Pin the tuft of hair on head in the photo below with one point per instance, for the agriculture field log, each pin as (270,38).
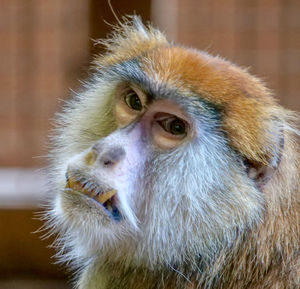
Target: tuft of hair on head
(127,40)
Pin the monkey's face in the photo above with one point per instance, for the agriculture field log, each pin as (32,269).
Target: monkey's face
(150,159)
(163,177)
(111,173)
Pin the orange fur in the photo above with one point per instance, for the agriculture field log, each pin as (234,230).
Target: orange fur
(246,103)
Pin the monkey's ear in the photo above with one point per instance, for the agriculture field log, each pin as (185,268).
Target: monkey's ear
(261,173)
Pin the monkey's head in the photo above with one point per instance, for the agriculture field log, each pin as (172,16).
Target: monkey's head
(164,155)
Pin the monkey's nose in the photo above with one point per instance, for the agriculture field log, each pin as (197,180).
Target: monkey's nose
(112,156)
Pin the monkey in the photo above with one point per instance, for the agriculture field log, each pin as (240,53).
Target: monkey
(173,168)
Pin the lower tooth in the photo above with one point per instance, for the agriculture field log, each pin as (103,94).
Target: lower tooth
(109,208)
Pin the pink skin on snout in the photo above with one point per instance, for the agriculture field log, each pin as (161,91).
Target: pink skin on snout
(120,159)
(133,154)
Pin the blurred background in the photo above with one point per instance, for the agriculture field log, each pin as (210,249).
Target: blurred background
(45,48)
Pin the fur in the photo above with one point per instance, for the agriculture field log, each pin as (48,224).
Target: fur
(199,220)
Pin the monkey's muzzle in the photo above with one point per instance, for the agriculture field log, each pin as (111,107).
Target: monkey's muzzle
(95,192)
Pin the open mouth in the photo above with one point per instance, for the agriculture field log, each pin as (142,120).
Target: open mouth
(105,197)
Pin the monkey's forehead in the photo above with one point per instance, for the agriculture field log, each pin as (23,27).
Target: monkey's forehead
(213,78)
(246,105)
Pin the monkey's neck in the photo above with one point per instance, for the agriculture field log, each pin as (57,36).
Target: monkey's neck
(116,276)
(247,264)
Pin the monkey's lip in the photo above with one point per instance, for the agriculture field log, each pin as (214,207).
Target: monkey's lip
(92,190)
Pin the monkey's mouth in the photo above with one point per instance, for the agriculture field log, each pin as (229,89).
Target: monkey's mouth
(105,197)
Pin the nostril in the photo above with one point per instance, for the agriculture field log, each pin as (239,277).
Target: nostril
(107,162)
(113,156)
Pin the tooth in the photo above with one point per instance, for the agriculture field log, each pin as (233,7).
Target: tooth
(73,184)
(105,196)
(109,208)
(77,186)
(97,192)
(94,188)
(90,189)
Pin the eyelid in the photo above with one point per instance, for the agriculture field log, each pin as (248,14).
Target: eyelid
(160,125)
(164,140)
(166,126)
(167,116)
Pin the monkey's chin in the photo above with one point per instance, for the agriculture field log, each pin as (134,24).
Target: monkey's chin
(105,198)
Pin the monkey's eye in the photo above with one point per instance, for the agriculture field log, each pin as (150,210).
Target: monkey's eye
(169,130)
(173,125)
(133,101)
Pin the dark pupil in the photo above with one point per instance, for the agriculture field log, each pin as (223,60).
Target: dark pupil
(135,102)
(177,127)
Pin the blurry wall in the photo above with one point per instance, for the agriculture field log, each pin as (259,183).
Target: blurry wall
(43,44)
